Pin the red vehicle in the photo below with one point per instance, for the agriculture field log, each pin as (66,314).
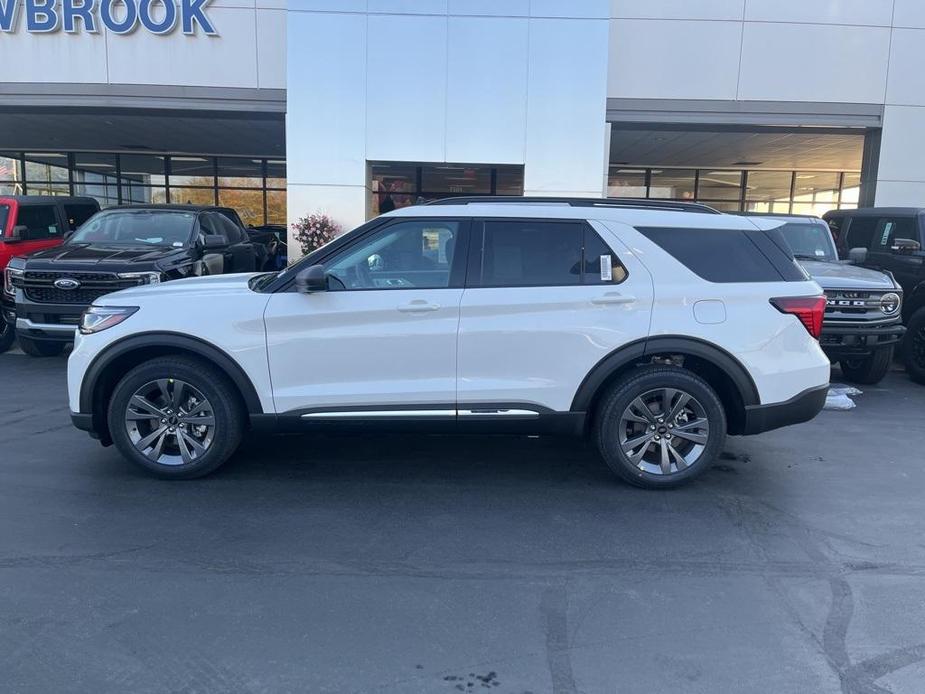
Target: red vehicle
(30,223)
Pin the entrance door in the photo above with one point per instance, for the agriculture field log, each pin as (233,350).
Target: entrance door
(383,336)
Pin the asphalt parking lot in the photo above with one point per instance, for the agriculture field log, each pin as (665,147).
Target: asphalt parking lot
(386,564)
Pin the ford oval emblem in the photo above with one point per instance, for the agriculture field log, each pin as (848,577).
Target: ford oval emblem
(67,283)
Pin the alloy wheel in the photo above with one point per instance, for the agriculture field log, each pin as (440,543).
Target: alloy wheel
(664,431)
(170,422)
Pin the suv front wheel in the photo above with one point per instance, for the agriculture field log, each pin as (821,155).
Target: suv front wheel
(660,427)
(7,335)
(913,347)
(177,417)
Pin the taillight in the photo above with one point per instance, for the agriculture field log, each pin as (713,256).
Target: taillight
(809,309)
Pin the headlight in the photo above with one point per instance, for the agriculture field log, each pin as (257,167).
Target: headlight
(145,277)
(890,303)
(9,276)
(98,318)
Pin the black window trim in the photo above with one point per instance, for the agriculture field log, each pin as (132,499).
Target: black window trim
(475,264)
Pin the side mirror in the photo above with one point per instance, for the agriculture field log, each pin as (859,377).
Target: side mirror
(311,279)
(858,256)
(906,246)
(213,241)
(17,233)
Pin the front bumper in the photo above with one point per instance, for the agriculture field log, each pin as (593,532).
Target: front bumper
(53,322)
(800,408)
(840,340)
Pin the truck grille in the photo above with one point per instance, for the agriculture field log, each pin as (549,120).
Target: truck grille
(40,286)
(856,305)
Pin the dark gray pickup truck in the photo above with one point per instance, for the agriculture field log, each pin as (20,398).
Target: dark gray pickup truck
(863,316)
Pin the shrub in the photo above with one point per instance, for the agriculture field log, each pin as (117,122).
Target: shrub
(314,230)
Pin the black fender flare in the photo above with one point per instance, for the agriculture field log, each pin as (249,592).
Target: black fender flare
(169,340)
(914,302)
(665,344)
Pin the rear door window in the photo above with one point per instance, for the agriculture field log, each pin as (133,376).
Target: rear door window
(860,233)
(531,253)
(718,255)
(4,217)
(40,222)
(77,213)
(890,229)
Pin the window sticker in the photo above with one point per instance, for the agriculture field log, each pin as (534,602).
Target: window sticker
(887,230)
(606,269)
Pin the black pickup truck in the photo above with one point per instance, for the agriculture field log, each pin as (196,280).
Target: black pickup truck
(46,292)
(891,239)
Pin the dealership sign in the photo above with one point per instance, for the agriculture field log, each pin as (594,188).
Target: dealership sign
(116,16)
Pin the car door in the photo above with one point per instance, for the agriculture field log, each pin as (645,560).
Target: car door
(241,254)
(890,249)
(545,301)
(215,261)
(382,338)
(40,226)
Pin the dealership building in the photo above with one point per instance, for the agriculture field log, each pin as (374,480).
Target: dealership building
(352,107)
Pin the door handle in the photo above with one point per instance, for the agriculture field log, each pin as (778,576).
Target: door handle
(418,306)
(612,298)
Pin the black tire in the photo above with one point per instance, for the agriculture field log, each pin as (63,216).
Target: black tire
(610,428)
(40,348)
(7,336)
(227,412)
(868,370)
(913,347)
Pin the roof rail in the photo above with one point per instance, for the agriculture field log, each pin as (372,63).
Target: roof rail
(627,203)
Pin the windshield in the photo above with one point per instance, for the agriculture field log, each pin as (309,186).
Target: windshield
(4,214)
(138,227)
(809,240)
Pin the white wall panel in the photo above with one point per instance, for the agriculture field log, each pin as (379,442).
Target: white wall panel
(906,83)
(326,118)
(900,194)
(271,49)
(408,6)
(678,9)
(566,105)
(858,12)
(327,5)
(814,62)
(902,147)
(498,8)
(57,57)
(406,88)
(487,90)
(587,9)
(909,13)
(228,60)
(673,59)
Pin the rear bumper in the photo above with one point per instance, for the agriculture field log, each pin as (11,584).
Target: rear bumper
(858,340)
(800,408)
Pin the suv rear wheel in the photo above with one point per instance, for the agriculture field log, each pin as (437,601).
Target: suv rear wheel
(913,347)
(660,427)
(40,348)
(868,370)
(177,417)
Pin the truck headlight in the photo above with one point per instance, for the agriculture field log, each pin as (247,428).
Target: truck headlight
(890,303)
(143,277)
(98,318)
(10,275)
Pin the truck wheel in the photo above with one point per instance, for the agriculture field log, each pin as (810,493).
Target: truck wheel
(868,370)
(660,427)
(913,347)
(7,335)
(40,348)
(177,417)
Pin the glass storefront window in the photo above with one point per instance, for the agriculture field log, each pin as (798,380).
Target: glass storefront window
(720,185)
(769,187)
(247,203)
(276,174)
(192,171)
(143,169)
(626,183)
(276,207)
(136,194)
(95,177)
(48,167)
(240,173)
(462,180)
(816,187)
(509,181)
(674,184)
(192,196)
(10,169)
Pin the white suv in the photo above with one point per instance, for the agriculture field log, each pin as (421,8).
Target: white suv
(654,327)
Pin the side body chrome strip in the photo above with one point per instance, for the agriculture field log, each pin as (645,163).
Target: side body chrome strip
(423,414)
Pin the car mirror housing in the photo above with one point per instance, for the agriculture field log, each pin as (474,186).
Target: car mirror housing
(214,241)
(906,246)
(858,255)
(312,279)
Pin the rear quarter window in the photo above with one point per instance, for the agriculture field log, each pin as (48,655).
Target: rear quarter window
(725,255)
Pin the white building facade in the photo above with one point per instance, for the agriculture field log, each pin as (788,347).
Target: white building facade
(351,107)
